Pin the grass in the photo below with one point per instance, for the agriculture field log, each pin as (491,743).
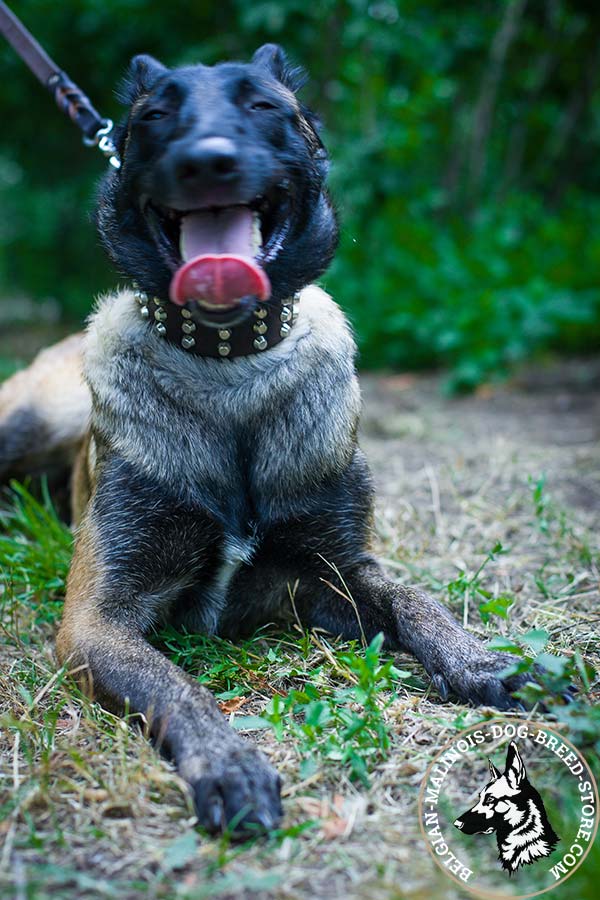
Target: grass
(88,809)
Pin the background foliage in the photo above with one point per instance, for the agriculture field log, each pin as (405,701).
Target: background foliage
(465,138)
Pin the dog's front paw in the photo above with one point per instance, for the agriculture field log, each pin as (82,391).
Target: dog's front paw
(477,679)
(237,790)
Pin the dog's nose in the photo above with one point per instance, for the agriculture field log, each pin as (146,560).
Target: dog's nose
(208,160)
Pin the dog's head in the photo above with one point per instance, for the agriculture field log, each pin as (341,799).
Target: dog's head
(220,199)
(500,801)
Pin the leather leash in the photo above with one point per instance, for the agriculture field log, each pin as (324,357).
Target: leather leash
(69,98)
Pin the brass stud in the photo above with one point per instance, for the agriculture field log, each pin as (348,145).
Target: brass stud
(260,327)
(186,314)
(157,300)
(285,329)
(286,314)
(261,312)
(160,315)
(224,349)
(145,312)
(260,343)
(141,297)
(188,342)
(188,327)
(224,333)
(161,329)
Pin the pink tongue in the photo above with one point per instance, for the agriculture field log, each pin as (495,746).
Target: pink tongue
(219,268)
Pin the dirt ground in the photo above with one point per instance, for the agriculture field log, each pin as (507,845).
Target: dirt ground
(454,477)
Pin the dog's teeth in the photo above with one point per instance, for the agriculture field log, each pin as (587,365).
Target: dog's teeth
(218,306)
(256,234)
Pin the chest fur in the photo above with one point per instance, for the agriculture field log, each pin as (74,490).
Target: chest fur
(251,444)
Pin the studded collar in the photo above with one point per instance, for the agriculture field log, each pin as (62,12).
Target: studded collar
(267,326)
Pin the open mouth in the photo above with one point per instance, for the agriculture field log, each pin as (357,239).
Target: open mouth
(218,254)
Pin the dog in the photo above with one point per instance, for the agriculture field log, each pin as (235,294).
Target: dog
(510,806)
(217,476)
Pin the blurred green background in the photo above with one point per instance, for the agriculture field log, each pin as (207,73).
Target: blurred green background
(465,140)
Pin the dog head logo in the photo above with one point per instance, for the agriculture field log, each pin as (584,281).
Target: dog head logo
(511,807)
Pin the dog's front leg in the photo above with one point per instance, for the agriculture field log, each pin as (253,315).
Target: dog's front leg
(232,782)
(413,621)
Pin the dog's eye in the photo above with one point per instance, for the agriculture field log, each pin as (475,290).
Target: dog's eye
(153,114)
(262,104)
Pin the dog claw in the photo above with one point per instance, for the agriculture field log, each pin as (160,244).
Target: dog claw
(265,819)
(239,794)
(214,816)
(441,686)
(476,679)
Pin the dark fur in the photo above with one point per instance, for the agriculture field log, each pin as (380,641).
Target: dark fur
(201,465)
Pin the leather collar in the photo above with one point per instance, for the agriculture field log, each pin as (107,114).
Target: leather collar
(267,326)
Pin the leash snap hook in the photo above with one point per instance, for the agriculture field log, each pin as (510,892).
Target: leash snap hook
(104,143)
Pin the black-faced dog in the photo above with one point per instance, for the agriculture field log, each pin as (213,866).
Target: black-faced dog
(510,807)
(220,477)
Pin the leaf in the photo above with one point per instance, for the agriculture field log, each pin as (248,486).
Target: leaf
(334,826)
(181,852)
(554,665)
(250,723)
(496,606)
(537,639)
(233,704)
(506,645)
(308,767)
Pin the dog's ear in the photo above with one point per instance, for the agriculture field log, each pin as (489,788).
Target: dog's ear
(515,767)
(494,772)
(142,74)
(272,58)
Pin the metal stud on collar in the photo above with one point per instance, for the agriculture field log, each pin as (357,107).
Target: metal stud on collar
(288,313)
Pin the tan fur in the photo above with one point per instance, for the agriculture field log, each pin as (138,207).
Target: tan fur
(51,388)
(83,479)
(81,620)
(308,132)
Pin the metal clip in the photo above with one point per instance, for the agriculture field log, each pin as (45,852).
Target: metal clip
(105,144)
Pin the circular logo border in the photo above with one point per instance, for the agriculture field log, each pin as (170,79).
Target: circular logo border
(482,892)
